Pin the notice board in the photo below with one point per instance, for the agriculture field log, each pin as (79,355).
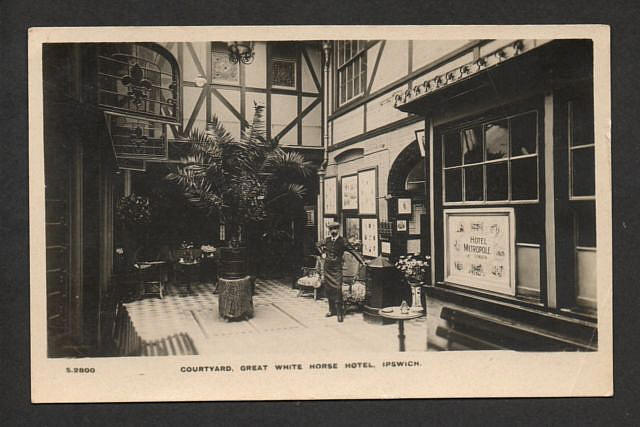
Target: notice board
(479,248)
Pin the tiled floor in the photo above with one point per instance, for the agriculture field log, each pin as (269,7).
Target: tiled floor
(282,323)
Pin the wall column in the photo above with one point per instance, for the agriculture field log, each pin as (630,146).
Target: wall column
(326,56)
(549,203)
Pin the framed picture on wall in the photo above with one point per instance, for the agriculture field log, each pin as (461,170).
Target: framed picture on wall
(331,196)
(349,189)
(413,246)
(370,237)
(352,228)
(401,225)
(367,192)
(404,206)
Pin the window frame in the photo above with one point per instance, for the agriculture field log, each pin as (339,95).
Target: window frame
(573,148)
(293,61)
(508,160)
(175,75)
(339,67)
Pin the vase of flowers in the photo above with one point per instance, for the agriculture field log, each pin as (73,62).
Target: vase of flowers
(414,269)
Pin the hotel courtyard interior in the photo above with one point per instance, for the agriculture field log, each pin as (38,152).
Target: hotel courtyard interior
(191,188)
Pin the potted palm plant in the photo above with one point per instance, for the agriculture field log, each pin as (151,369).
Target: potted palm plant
(246,182)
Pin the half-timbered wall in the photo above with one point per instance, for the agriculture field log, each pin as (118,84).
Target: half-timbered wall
(284,77)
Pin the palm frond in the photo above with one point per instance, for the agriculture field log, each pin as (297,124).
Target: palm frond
(288,161)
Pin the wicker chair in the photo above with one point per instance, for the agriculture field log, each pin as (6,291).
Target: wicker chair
(311,278)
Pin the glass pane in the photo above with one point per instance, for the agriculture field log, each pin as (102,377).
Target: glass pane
(472,145)
(453,185)
(524,134)
(347,51)
(585,220)
(342,86)
(496,137)
(416,179)
(524,179)
(340,53)
(584,183)
(582,122)
(473,183)
(497,181)
(452,149)
(349,87)
(356,85)
(354,47)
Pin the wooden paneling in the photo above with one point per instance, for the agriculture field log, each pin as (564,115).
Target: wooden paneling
(586,283)
(527,269)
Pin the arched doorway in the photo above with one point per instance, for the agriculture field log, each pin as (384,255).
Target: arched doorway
(408,203)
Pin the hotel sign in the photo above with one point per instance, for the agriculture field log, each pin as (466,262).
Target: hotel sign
(479,248)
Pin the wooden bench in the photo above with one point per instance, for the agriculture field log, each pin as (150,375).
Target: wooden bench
(471,330)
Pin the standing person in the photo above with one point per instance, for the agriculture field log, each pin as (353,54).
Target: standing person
(334,247)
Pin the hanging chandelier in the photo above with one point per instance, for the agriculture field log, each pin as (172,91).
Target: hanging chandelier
(241,51)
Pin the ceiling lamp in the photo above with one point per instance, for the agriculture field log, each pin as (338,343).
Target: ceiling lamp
(241,51)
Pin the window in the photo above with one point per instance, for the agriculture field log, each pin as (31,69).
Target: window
(351,67)
(416,179)
(138,78)
(492,162)
(582,198)
(581,150)
(283,65)
(283,72)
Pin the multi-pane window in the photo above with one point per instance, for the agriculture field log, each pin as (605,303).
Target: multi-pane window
(138,78)
(582,198)
(492,162)
(582,183)
(351,67)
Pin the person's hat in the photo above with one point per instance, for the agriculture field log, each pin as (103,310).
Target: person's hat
(333,224)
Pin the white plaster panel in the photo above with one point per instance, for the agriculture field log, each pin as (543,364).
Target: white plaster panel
(428,51)
(348,125)
(308,84)
(191,95)
(255,74)
(394,63)
(381,111)
(189,69)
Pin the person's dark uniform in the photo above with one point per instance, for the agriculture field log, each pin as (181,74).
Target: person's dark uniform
(334,247)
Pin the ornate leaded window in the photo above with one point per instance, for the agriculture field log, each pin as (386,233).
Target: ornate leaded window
(139,89)
(351,69)
(139,78)
(283,65)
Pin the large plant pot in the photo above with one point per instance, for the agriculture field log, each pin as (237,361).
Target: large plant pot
(233,262)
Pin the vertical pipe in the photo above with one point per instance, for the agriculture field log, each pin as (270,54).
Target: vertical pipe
(326,55)
(432,210)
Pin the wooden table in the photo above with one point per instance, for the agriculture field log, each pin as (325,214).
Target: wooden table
(395,314)
(190,270)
